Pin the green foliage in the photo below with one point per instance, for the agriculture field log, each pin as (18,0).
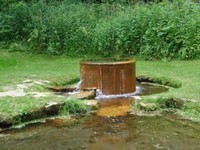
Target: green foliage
(151,31)
(16,22)
(73,107)
(191,110)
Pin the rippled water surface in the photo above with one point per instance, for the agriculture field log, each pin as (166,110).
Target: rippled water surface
(104,133)
(110,128)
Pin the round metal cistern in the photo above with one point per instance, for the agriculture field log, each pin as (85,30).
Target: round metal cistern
(110,76)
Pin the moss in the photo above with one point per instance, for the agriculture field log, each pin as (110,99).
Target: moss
(26,108)
(73,107)
(161,80)
(191,111)
(187,109)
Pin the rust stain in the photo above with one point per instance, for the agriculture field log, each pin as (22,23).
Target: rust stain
(114,107)
(116,77)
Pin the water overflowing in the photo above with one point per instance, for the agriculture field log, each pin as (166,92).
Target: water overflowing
(100,95)
(77,85)
(142,88)
(111,127)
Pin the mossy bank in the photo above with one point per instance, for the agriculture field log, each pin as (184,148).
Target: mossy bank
(181,76)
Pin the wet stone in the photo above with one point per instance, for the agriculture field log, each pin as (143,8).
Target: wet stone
(147,107)
(91,102)
(52,108)
(62,89)
(83,95)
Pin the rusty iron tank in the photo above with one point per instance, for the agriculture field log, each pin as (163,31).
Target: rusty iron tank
(111,76)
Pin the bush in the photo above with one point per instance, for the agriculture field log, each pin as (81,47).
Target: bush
(16,23)
(151,31)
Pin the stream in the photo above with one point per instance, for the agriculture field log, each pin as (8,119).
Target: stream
(111,127)
(94,132)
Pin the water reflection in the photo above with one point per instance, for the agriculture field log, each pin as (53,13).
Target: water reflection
(142,89)
(149,89)
(105,133)
(112,127)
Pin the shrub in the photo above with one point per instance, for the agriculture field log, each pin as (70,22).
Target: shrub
(152,31)
(16,23)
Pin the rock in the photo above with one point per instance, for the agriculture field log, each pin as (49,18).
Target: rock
(6,122)
(188,100)
(44,81)
(91,102)
(39,82)
(49,104)
(147,106)
(137,98)
(28,81)
(142,105)
(39,94)
(13,93)
(62,89)
(90,89)
(52,108)
(84,95)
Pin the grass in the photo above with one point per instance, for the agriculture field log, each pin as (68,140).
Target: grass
(17,67)
(20,109)
(185,72)
(12,107)
(191,111)
(73,107)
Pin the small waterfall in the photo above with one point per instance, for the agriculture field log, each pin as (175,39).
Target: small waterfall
(100,95)
(78,85)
